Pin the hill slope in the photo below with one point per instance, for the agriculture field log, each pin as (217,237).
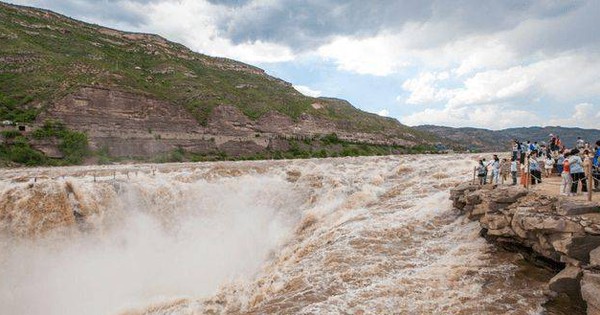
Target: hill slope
(477,139)
(139,95)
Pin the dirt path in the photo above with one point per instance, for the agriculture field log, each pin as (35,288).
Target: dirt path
(551,186)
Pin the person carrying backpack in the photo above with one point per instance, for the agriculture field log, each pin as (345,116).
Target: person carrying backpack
(482,172)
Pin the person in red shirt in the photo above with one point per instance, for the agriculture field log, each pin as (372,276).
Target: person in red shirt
(565,185)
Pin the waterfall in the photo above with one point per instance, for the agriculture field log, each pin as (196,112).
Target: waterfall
(365,235)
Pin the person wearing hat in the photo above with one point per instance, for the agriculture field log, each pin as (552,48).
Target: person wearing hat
(552,143)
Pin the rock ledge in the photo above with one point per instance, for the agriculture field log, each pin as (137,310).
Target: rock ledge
(552,231)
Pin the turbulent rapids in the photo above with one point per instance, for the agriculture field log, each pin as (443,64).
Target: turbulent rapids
(370,235)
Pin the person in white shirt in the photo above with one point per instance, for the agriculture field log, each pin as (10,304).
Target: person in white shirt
(580,143)
(495,164)
(548,165)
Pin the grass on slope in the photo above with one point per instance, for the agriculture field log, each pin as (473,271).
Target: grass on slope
(47,56)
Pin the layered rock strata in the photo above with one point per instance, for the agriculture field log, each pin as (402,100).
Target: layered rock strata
(550,230)
(135,125)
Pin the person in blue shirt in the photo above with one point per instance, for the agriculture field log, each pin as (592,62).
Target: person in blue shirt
(597,155)
(577,172)
(534,169)
(596,164)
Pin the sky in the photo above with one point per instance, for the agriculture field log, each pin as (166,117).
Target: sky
(466,63)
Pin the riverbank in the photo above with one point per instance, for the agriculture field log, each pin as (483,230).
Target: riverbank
(562,233)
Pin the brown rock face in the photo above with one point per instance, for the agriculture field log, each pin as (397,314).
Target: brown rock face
(595,257)
(126,124)
(590,290)
(136,125)
(567,281)
(228,120)
(129,124)
(275,122)
(104,111)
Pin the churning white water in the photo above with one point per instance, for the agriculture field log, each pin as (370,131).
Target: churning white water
(369,235)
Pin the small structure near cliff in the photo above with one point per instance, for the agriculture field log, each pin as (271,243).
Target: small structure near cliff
(550,230)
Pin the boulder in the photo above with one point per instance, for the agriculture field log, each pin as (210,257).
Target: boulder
(494,221)
(498,206)
(548,253)
(478,211)
(508,195)
(504,232)
(460,190)
(473,198)
(560,241)
(550,224)
(517,225)
(595,257)
(581,246)
(567,281)
(576,207)
(590,291)
(592,229)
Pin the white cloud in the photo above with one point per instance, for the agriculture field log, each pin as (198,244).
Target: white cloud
(492,86)
(364,56)
(565,78)
(386,54)
(490,116)
(423,89)
(499,116)
(480,52)
(384,113)
(585,115)
(307,91)
(193,23)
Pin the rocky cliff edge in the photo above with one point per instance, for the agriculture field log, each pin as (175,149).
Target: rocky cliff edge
(553,231)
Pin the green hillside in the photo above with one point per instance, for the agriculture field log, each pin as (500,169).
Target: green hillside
(45,56)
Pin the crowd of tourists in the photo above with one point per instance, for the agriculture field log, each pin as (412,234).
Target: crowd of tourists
(532,161)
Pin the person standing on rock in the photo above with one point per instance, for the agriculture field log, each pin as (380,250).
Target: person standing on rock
(559,163)
(504,170)
(553,146)
(577,172)
(596,165)
(597,154)
(522,151)
(565,185)
(534,169)
(587,163)
(513,170)
(548,165)
(482,172)
(495,164)
(523,174)
(515,149)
